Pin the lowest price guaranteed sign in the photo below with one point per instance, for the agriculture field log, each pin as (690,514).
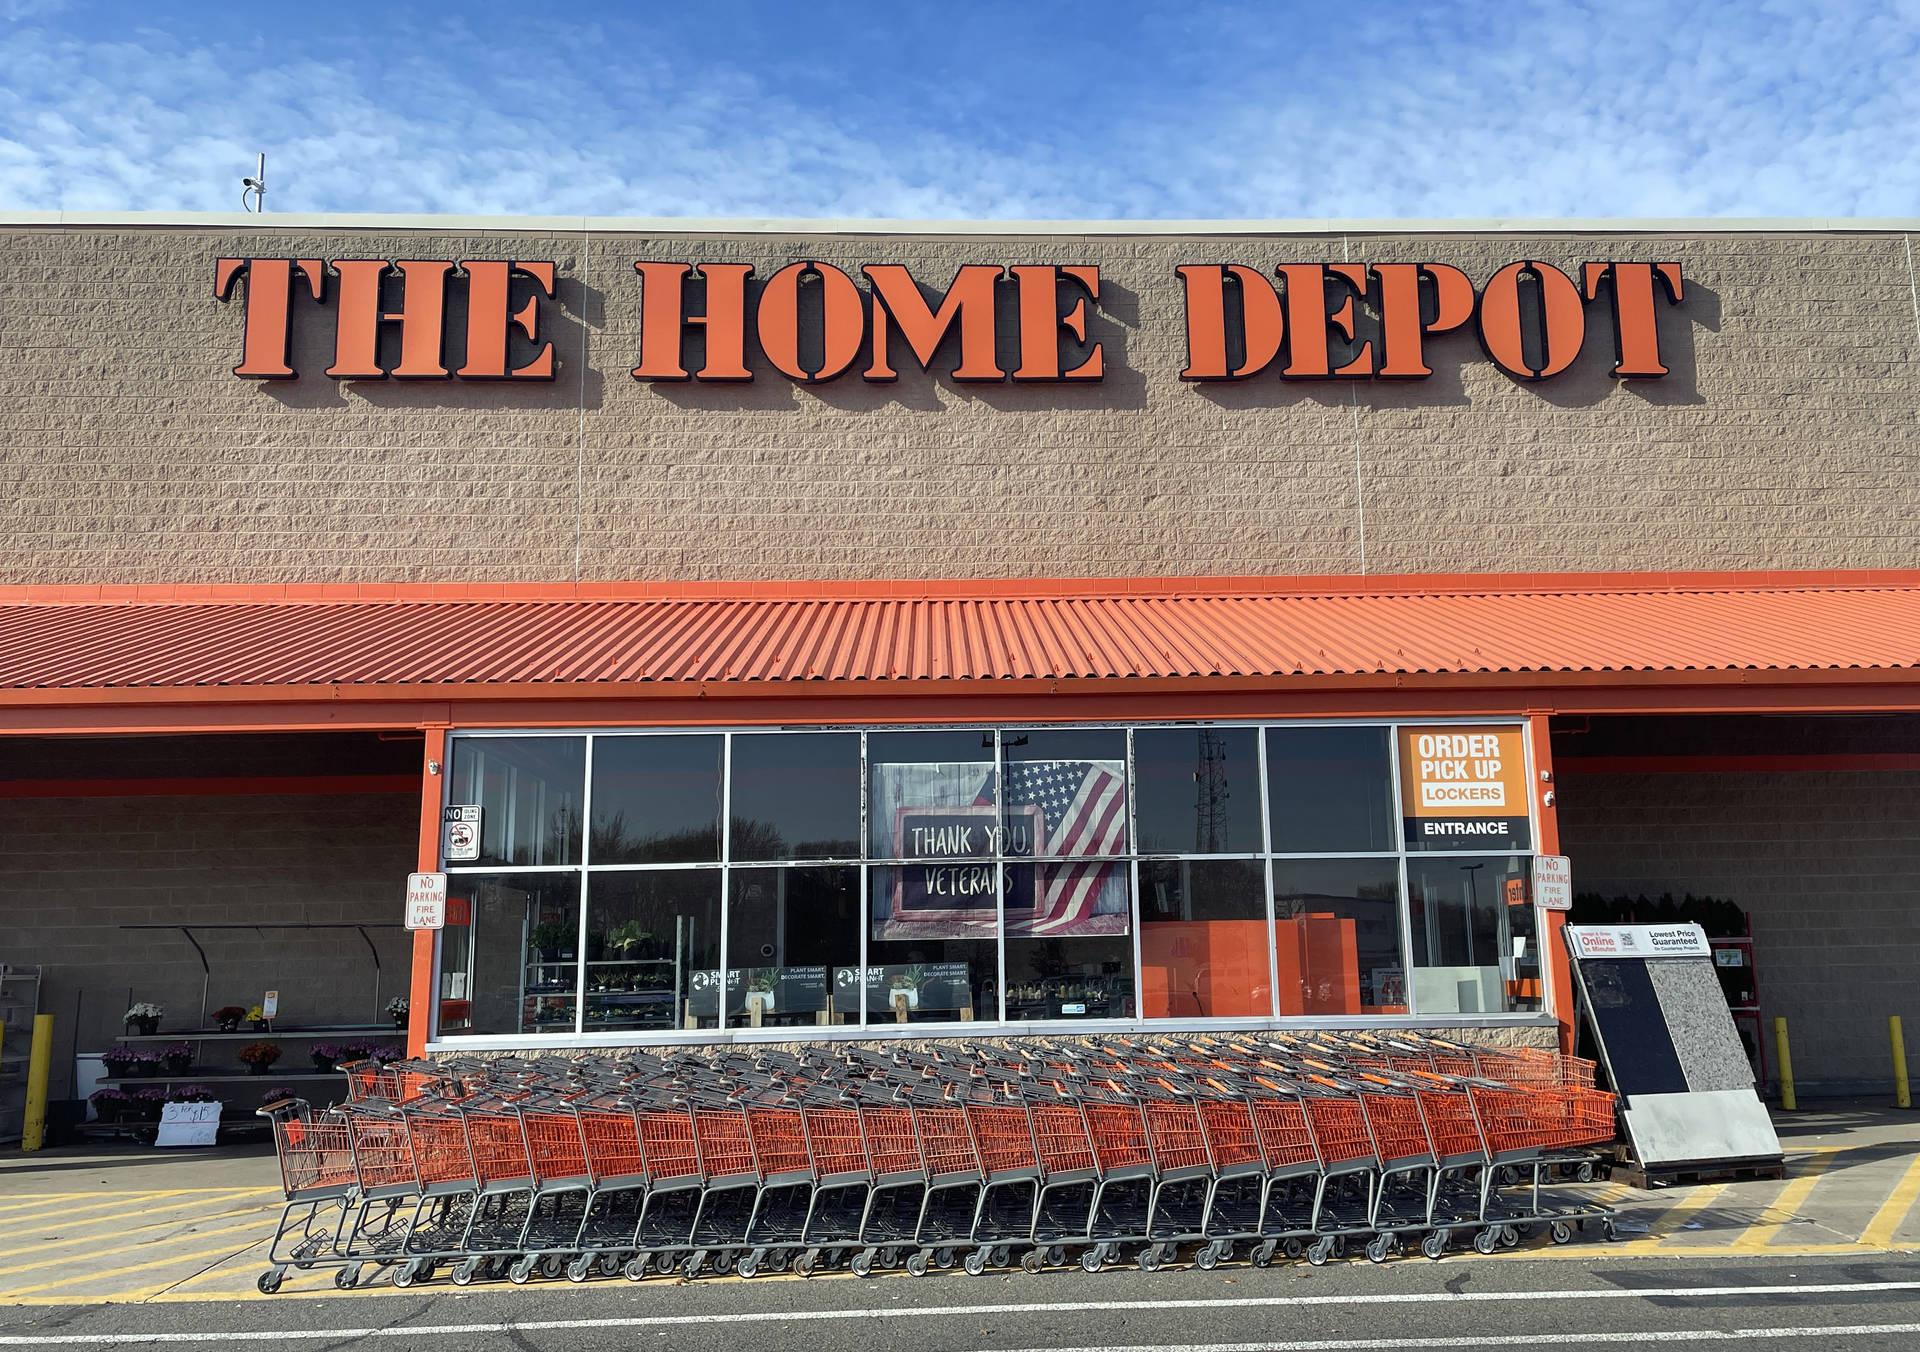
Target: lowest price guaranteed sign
(1464,788)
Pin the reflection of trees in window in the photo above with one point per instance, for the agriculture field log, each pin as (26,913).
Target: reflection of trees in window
(756,840)
(614,842)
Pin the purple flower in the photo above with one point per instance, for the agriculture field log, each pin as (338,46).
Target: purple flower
(329,1051)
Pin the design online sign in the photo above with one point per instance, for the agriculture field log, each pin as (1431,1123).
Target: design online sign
(1639,941)
(812,321)
(1464,788)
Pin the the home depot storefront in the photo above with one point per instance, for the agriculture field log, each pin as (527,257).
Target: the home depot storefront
(801,631)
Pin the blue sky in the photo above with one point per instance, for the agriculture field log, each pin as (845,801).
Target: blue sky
(1036,110)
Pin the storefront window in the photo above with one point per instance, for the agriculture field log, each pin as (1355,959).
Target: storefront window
(1197,790)
(933,955)
(796,796)
(1330,789)
(1203,939)
(1336,936)
(1474,946)
(653,944)
(793,947)
(932,795)
(528,790)
(515,966)
(656,800)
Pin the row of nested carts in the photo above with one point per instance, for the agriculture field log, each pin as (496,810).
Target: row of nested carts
(976,1154)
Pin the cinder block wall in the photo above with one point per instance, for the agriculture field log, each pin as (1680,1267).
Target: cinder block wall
(1826,864)
(79,868)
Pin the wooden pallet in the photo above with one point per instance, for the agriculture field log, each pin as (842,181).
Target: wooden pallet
(1686,1175)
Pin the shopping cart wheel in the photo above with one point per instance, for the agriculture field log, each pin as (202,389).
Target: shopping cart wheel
(520,1272)
(1092,1257)
(1262,1255)
(1584,1174)
(694,1261)
(749,1266)
(1293,1248)
(723,1262)
(1319,1252)
(945,1258)
(804,1263)
(1378,1248)
(610,1264)
(1509,1175)
(635,1270)
(1509,1236)
(974,1263)
(269,1281)
(552,1266)
(1207,1257)
(1561,1232)
(404,1274)
(580,1269)
(917,1264)
(1487,1240)
(863,1264)
(463,1271)
(1608,1231)
(347,1276)
(1034,1261)
(780,1259)
(1434,1245)
(1150,1259)
(1056,1255)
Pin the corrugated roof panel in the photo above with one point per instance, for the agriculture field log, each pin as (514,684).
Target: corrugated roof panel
(1003,635)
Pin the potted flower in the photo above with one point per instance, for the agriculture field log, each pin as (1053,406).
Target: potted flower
(397,1011)
(228,1018)
(192,1093)
(119,1062)
(147,1063)
(109,1104)
(177,1057)
(257,1017)
(260,1056)
(147,1104)
(760,992)
(280,1094)
(326,1055)
(388,1052)
(358,1050)
(552,941)
(143,1019)
(907,983)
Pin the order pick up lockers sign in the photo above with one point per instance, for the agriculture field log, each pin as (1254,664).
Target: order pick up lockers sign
(1464,788)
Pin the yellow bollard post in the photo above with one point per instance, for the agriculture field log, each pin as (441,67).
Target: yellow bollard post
(1785,1058)
(33,1132)
(1901,1097)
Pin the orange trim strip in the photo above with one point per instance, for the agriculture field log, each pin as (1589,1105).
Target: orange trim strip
(421,990)
(1733,765)
(1472,584)
(210,787)
(1555,966)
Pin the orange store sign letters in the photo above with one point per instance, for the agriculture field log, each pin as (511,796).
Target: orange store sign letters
(812,321)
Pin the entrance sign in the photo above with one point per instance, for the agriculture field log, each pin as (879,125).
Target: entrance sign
(460,834)
(426,901)
(1553,882)
(1464,788)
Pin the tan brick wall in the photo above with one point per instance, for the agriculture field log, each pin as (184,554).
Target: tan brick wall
(1785,438)
(80,868)
(1823,864)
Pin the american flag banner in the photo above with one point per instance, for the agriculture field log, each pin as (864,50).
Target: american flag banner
(1082,812)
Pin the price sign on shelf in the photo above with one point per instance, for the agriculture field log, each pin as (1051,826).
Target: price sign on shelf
(426,901)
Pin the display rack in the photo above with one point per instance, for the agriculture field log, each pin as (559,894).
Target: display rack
(19,1002)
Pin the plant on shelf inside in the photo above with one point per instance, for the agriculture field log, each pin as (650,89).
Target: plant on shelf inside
(278,1094)
(552,941)
(148,1104)
(360,1049)
(143,1018)
(260,1056)
(192,1093)
(257,1016)
(326,1055)
(110,1105)
(228,1017)
(119,1061)
(389,1051)
(148,1062)
(178,1057)
(397,1011)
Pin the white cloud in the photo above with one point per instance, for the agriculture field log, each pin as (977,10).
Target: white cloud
(1565,109)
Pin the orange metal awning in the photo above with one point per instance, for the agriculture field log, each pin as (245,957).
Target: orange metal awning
(416,637)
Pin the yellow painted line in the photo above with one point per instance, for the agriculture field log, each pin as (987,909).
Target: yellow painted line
(217,1197)
(261,1211)
(1669,1222)
(67,1260)
(1879,1231)
(39,1197)
(227,1250)
(1783,1208)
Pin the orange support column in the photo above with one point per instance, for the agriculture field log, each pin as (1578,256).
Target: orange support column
(424,990)
(1553,945)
